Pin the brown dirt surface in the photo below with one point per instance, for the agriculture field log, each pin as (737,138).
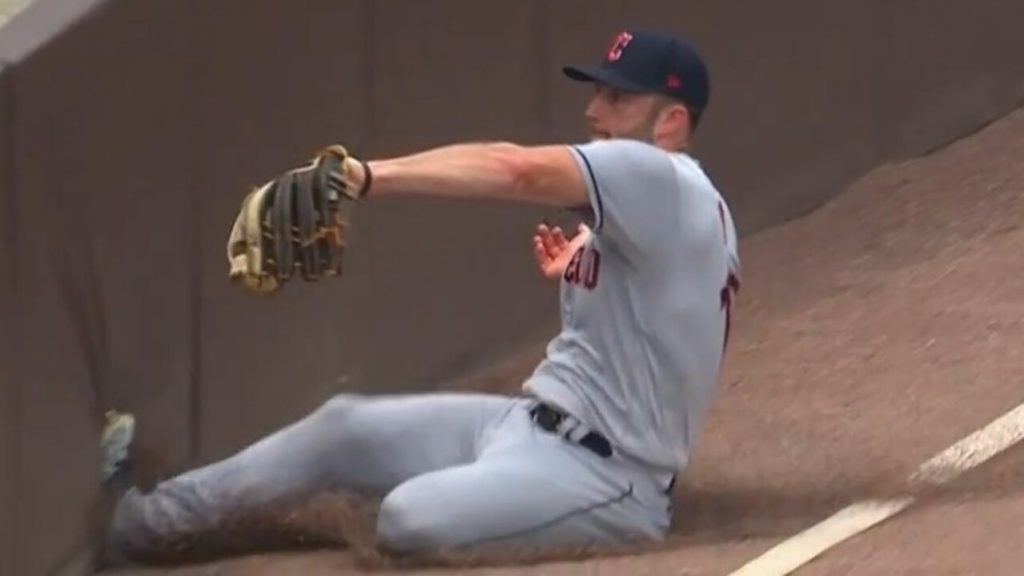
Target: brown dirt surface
(871,335)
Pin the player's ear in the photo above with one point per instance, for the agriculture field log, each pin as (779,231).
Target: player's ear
(679,115)
(673,119)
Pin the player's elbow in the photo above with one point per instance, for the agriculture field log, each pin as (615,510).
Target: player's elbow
(528,173)
(510,161)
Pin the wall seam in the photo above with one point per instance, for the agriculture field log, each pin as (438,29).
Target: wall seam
(12,412)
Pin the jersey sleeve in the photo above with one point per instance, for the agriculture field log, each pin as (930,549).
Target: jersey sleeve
(633,190)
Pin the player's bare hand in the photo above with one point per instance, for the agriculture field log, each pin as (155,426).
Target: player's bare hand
(553,250)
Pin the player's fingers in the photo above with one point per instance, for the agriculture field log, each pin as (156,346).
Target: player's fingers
(559,240)
(549,243)
(543,232)
(539,251)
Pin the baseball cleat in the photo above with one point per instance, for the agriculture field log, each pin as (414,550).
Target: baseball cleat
(116,442)
(117,478)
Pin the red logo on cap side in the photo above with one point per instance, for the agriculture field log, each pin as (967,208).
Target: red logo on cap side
(673,82)
(618,45)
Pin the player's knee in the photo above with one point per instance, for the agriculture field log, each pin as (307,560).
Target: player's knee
(338,406)
(339,420)
(337,413)
(405,524)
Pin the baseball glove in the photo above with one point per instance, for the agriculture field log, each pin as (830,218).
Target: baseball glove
(295,223)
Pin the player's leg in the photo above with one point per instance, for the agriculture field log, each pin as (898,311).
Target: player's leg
(360,443)
(531,489)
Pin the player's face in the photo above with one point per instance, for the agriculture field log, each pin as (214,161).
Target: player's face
(614,113)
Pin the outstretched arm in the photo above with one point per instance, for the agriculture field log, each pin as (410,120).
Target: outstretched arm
(546,175)
(295,223)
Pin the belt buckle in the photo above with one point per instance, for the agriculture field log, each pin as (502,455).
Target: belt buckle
(547,417)
(550,419)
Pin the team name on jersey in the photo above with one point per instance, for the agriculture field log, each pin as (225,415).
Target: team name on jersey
(584,268)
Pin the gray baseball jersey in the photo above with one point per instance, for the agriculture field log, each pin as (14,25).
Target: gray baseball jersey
(645,303)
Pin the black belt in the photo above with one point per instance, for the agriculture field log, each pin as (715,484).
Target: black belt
(553,420)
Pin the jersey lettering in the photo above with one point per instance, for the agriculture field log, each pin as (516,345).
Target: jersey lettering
(584,268)
(732,283)
(728,296)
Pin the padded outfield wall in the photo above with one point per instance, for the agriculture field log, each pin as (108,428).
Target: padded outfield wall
(131,128)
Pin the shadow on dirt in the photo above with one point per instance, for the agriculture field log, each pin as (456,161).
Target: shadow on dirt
(709,514)
(730,513)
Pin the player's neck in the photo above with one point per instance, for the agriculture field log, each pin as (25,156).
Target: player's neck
(680,145)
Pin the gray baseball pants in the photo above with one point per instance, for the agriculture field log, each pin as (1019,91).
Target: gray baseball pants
(454,471)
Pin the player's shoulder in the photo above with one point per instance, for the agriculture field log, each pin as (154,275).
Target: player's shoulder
(628,160)
(643,156)
(691,172)
(623,147)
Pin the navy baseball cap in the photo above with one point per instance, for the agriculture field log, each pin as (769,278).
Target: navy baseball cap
(651,62)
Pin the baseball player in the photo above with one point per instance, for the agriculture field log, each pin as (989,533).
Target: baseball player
(587,454)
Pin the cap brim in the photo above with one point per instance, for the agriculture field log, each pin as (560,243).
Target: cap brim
(603,76)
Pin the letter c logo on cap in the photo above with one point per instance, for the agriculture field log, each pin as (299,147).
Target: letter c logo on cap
(618,45)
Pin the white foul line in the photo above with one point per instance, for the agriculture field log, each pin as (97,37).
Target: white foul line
(980,446)
(1002,433)
(804,547)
